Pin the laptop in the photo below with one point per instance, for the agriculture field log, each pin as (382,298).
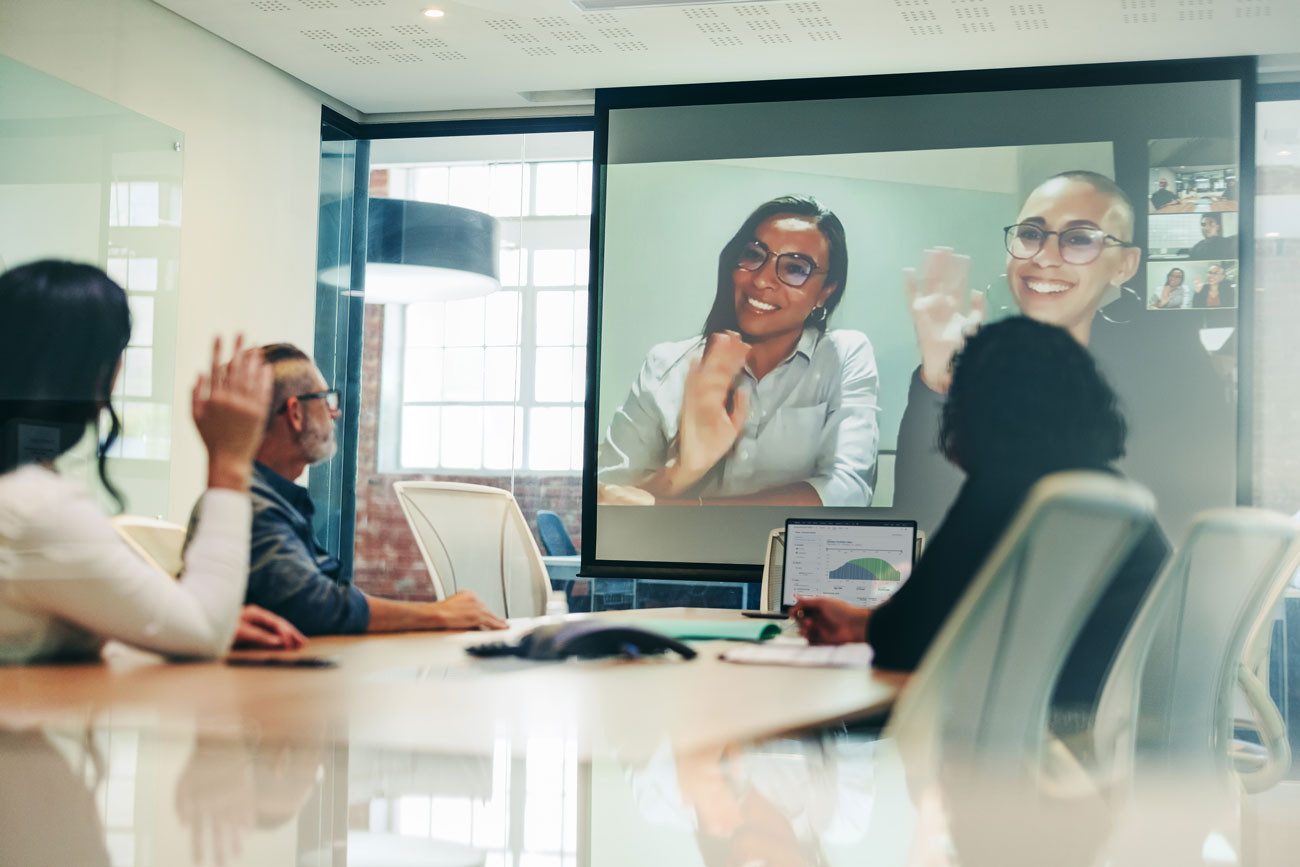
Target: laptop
(861,562)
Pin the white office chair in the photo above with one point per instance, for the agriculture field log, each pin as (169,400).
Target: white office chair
(473,537)
(972,723)
(1167,704)
(158,542)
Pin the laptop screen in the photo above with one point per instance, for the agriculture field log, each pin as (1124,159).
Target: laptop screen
(862,562)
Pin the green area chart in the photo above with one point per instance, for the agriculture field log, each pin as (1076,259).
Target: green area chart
(866,569)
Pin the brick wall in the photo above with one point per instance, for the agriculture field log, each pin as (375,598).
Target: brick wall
(386,560)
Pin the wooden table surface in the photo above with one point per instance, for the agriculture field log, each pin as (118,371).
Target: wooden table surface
(421,691)
(1192,207)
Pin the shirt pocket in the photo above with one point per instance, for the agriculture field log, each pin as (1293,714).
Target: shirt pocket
(790,444)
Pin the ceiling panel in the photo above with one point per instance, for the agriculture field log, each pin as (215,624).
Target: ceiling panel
(384,56)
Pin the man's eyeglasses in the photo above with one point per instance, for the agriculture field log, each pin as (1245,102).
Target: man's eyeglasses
(792,269)
(1079,246)
(330,397)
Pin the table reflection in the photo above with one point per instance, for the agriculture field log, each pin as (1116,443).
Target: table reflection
(123,793)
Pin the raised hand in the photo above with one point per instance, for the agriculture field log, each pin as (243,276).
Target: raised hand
(713,409)
(944,310)
(230,404)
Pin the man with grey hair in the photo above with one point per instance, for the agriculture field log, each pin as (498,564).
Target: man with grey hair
(290,574)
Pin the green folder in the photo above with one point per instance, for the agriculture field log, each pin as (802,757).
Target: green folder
(706,630)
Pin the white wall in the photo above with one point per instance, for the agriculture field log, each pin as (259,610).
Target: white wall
(252,136)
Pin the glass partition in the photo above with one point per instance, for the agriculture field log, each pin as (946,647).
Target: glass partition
(84,179)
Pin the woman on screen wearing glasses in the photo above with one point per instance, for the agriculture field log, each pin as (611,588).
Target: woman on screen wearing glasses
(765,407)
(1069,252)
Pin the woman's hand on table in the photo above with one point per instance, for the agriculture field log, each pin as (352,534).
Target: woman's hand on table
(944,311)
(823,620)
(260,628)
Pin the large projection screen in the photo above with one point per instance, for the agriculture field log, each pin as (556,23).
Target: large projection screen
(906,163)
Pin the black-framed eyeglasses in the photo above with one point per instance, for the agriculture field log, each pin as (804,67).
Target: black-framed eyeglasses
(330,397)
(792,269)
(1079,245)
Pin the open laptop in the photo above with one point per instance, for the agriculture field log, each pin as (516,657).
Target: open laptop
(862,562)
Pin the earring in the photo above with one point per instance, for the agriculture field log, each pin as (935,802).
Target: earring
(818,315)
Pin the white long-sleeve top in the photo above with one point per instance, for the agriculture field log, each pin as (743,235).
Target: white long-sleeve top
(68,581)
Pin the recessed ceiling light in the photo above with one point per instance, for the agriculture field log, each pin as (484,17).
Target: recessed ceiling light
(1272,234)
(433,13)
(1284,153)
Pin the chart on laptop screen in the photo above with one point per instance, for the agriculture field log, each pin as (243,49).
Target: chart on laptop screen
(862,562)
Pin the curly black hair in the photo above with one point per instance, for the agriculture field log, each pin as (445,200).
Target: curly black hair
(1026,395)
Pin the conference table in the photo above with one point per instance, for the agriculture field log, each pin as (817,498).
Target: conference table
(1197,206)
(411,752)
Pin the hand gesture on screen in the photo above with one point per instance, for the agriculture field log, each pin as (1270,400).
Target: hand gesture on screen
(823,620)
(713,409)
(944,311)
(230,404)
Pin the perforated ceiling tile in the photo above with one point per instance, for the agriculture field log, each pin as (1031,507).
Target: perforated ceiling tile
(386,45)
(318,34)
(569,35)
(727,41)
(1195,10)
(551,21)
(410,29)
(270,5)
(448,55)
(370,3)
(601,19)
(520,38)
(1031,16)
(429,42)
(804,8)
(319,4)
(974,17)
(630,47)
(756,11)
(713,26)
(1138,11)
(364,32)
(700,14)
(616,33)
(824,36)
(362,60)
(813,22)
(539,51)
(1254,9)
(503,24)
(407,58)
(763,25)
(584,48)
(341,47)
(774,38)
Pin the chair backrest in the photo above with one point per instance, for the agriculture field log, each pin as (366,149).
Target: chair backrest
(982,692)
(473,537)
(159,542)
(1167,703)
(555,538)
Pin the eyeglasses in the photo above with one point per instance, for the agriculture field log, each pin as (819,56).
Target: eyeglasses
(1079,246)
(792,269)
(330,397)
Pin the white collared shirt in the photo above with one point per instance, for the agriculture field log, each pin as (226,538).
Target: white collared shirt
(811,419)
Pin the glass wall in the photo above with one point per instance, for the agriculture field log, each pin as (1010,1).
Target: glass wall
(84,179)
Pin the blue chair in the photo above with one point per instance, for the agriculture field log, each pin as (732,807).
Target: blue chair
(555,539)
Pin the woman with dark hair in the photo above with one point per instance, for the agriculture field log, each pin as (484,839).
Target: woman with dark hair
(69,582)
(765,407)
(1175,294)
(1026,400)
(1216,291)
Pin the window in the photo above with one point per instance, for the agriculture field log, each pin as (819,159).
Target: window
(495,384)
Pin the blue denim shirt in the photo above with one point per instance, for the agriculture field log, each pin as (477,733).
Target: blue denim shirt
(290,574)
